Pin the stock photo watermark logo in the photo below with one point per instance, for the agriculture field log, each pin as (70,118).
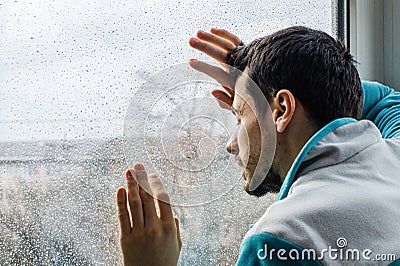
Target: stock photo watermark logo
(340,252)
(177,129)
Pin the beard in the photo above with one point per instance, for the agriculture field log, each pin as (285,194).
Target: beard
(271,183)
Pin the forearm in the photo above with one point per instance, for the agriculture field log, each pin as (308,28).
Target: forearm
(382,106)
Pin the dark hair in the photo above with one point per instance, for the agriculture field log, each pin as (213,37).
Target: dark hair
(316,68)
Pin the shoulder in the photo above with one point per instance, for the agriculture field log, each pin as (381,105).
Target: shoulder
(268,249)
(329,203)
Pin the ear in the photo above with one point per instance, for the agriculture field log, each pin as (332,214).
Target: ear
(285,105)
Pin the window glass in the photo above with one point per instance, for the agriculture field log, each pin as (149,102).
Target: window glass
(68,72)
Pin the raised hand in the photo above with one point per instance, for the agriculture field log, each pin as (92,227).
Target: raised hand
(147,238)
(218,44)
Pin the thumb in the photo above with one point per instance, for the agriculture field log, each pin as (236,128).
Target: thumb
(224,100)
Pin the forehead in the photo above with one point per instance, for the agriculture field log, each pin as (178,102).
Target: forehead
(241,91)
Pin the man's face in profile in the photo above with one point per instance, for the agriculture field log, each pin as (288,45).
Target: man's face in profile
(246,142)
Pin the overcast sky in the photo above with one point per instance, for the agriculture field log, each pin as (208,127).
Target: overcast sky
(69,69)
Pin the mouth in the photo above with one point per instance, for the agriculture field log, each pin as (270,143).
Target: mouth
(239,162)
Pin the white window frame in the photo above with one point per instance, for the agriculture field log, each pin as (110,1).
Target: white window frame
(374,39)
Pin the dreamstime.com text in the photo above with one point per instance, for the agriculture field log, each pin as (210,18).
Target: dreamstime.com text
(340,252)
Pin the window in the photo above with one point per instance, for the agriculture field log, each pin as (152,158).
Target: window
(68,71)
(374,38)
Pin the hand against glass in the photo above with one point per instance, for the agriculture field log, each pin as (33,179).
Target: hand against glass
(218,44)
(147,238)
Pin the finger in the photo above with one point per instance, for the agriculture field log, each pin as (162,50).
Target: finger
(135,203)
(215,40)
(123,214)
(227,35)
(214,72)
(230,92)
(162,196)
(178,233)
(224,100)
(149,209)
(209,49)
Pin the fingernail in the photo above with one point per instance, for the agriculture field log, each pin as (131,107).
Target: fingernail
(139,166)
(153,176)
(130,176)
(121,194)
(193,62)
(193,41)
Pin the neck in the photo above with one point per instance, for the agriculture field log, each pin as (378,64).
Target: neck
(290,143)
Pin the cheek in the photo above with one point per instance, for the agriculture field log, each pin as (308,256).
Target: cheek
(254,133)
(243,141)
(254,139)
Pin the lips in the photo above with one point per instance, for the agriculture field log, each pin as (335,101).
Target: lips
(239,162)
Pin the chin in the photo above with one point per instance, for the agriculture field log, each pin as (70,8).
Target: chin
(271,183)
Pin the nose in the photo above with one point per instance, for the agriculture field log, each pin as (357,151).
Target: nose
(232,146)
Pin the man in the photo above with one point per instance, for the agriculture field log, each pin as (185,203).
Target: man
(338,178)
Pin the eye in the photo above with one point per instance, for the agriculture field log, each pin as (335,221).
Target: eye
(238,121)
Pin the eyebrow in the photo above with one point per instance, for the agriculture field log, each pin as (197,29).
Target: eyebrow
(234,111)
(239,110)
